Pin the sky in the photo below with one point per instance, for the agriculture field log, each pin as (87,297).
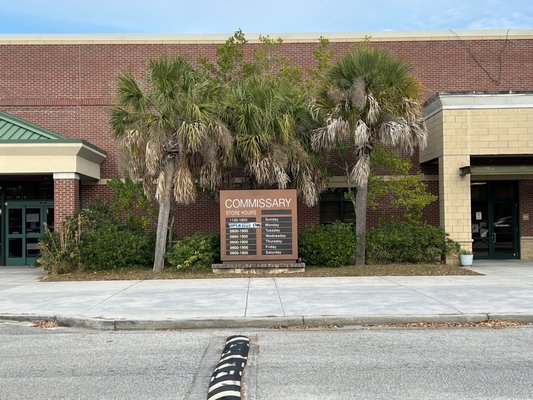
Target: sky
(252,16)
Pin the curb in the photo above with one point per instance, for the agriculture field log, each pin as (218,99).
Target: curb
(260,322)
(363,320)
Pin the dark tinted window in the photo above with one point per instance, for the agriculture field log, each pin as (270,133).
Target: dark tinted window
(335,207)
(42,190)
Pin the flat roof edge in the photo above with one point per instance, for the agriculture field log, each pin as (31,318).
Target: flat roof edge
(52,143)
(422,35)
(477,100)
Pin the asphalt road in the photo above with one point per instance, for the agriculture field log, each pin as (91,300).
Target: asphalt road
(468,363)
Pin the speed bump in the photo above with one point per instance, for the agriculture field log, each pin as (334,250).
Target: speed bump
(226,379)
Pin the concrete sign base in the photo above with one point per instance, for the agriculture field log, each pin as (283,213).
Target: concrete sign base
(258,268)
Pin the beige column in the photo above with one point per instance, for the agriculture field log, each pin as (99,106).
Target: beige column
(454,189)
(455,202)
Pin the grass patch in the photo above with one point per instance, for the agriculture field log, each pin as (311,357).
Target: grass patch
(367,270)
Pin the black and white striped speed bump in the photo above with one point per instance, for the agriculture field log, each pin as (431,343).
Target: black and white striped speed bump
(226,379)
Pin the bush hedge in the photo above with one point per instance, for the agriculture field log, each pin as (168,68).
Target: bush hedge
(402,242)
(330,245)
(59,252)
(196,252)
(94,239)
(114,246)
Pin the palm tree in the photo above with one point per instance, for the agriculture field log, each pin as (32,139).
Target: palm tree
(368,98)
(171,135)
(270,120)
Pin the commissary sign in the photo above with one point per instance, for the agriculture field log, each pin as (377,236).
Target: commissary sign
(258,225)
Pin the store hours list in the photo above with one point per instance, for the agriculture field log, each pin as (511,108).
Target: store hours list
(275,230)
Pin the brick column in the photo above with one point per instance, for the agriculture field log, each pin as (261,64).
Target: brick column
(66,196)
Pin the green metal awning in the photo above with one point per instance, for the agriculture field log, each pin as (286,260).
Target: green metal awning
(26,148)
(497,170)
(16,129)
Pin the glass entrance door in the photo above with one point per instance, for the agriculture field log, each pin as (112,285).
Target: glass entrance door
(504,230)
(495,230)
(15,236)
(480,229)
(23,228)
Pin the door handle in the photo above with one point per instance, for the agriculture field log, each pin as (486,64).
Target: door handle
(493,238)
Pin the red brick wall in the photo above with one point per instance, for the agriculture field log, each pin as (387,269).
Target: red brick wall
(203,216)
(66,198)
(95,194)
(384,214)
(69,88)
(307,215)
(431,213)
(525,197)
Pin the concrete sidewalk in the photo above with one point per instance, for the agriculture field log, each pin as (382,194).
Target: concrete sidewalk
(504,292)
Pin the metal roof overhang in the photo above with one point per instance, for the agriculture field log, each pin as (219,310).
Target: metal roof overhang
(26,148)
(51,157)
(485,170)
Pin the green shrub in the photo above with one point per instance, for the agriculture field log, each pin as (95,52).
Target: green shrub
(196,252)
(130,205)
(402,242)
(113,246)
(60,253)
(94,239)
(60,250)
(331,245)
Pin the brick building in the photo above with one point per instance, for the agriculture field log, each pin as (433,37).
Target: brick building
(57,152)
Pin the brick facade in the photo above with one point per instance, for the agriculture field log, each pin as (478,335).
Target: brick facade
(69,88)
(66,198)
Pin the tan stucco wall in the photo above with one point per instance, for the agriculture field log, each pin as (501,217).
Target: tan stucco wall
(526,248)
(454,200)
(194,39)
(461,126)
(449,145)
(498,131)
(433,149)
(41,158)
(504,131)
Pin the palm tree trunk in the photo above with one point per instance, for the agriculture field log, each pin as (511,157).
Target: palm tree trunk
(351,195)
(161,236)
(361,197)
(162,219)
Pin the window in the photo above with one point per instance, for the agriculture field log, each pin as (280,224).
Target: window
(334,207)
(31,190)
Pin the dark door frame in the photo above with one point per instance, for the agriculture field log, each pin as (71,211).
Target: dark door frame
(43,206)
(491,201)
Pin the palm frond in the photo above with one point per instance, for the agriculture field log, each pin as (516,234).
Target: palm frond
(361,134)
(184,187)
(153,156)
(361,169)
(374,110)
(173,120)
